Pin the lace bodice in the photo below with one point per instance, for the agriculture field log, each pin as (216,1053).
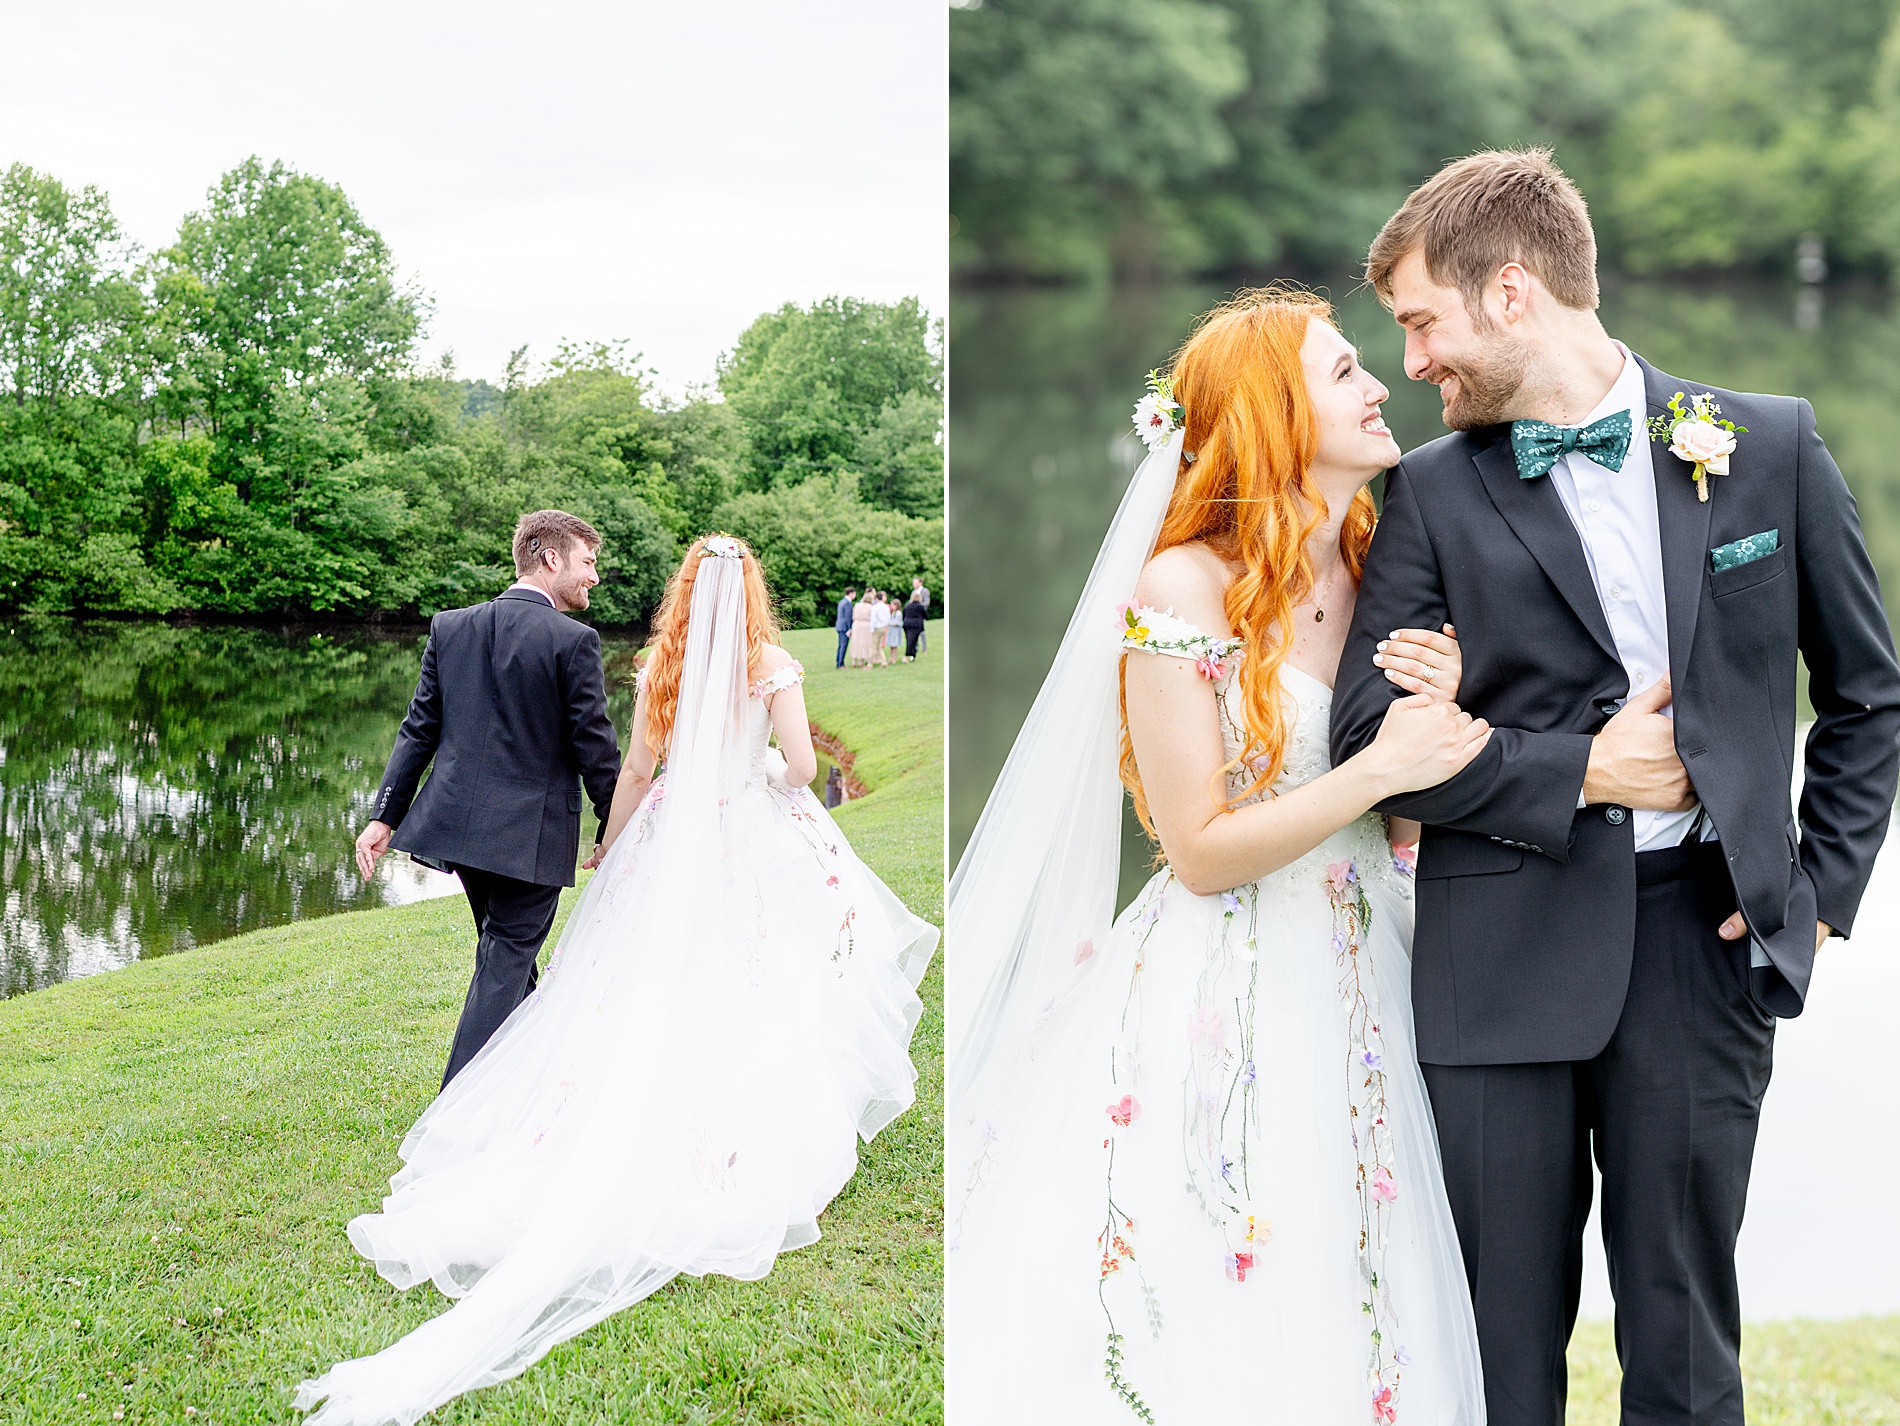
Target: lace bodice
(1309,707)
(759,714)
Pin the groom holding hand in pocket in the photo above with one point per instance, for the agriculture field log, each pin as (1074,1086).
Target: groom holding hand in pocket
(512,708)
(1614,903)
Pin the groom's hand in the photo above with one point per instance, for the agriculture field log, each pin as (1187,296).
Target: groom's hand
(371,844)
(1633,760)
(1736,927)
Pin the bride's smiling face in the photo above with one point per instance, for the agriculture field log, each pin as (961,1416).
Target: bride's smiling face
(1346,397)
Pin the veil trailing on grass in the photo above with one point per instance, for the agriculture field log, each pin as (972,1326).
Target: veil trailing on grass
(728,1012)
(1037,879)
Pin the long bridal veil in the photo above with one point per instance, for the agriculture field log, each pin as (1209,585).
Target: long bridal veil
(1037,879)
(686,1090)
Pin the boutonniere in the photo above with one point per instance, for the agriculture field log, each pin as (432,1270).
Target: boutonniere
(1698,434)
(1158,415)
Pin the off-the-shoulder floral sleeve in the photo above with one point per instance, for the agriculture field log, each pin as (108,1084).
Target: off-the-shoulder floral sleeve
(764,688)
(1157,631)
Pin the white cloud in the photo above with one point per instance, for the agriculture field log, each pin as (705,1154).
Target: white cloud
(655,172)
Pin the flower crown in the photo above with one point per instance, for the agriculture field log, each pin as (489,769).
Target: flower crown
(725,547)
(1158,415)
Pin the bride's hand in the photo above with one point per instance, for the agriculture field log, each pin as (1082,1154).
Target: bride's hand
(1420,661)
(1423,742)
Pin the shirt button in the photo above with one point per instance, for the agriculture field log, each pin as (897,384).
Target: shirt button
(1616,591)
(1614,816)
(1594,507)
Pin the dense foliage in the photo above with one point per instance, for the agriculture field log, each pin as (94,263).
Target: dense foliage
(1138,136)
(236,425)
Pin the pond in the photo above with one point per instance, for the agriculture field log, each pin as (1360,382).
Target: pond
(1041,449)
(165,786)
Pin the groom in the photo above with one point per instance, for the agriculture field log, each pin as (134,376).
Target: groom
(512,708)
(1614,903)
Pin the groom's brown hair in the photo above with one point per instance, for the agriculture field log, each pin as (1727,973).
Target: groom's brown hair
(550,530)
(1478,213)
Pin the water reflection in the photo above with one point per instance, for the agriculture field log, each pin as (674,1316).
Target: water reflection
(1041,446)
(162,787)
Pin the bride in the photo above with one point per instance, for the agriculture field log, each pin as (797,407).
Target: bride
(1192,1171)
(728,1012)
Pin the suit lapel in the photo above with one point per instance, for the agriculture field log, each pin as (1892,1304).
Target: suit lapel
(1536,515)
(1683,522)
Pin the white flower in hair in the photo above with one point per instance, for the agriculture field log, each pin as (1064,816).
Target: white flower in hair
(1158,414)
(725,547)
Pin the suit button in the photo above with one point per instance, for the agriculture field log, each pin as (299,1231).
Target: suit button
(1614,816)
(1609,710)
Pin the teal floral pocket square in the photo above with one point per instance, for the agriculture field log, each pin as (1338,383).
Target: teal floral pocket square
(1742,551)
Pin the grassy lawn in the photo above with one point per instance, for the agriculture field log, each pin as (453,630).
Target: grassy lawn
(1794,1373)
(182,1141)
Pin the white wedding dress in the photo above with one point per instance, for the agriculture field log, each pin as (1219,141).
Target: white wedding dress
(1207,1186)
(728,1012)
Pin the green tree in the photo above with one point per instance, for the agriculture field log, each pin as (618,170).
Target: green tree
(71,322)
(806,383)
(816,538)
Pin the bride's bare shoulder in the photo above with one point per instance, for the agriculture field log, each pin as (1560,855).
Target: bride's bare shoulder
(1189,581)
(773,657)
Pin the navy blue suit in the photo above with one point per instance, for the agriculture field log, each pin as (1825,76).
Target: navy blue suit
(511,709)
(843,627)
(1571,995)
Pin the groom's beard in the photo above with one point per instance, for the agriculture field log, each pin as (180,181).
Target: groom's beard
(1488,384)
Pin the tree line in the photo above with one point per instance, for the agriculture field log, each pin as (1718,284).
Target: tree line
(237,424)
(1139,137)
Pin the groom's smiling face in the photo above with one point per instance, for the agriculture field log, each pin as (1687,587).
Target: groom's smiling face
(1477,364)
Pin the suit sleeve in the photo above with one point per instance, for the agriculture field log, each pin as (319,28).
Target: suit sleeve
(1523,787)
(589,731)
(416,742)
(1853,753)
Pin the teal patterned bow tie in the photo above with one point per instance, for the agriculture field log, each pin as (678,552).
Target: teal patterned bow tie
(1539,445)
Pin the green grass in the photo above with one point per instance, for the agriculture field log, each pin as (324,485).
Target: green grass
(181,1143)
(1794,1373)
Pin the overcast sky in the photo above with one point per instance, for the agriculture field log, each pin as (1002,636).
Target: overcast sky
(656,172)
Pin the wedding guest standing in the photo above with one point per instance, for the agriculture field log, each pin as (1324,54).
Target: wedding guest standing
(913,625)
(880,622)
(894,636)
(843,623)
(917,591)
(860,651)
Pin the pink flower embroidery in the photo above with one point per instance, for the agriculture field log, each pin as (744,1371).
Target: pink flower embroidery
(1384,1409)
(1126,1112)
(831,881)
(1212,666)
(1384,1187)
(1083,950)
(1238,1266)
(1207,1027)
(1339,876)
(1405,860)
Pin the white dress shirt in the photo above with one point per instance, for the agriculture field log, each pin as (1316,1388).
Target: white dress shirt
(523,584)
(1615,515)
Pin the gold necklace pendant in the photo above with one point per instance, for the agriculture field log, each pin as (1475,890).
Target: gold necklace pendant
(1319,616)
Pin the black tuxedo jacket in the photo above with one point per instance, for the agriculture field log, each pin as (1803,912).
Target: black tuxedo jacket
(1526,904)
(512,707)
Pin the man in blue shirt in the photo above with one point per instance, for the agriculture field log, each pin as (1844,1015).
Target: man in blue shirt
(844,623)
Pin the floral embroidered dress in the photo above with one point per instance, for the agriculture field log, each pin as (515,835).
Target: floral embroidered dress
(1217,1195)
(662,1104)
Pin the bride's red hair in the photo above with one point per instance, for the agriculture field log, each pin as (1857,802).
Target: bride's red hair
(1250,498)
(666,650)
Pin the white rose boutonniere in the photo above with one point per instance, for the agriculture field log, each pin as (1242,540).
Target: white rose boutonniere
(1698,434)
